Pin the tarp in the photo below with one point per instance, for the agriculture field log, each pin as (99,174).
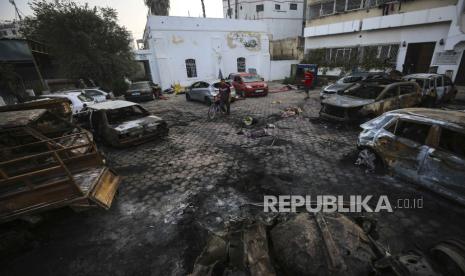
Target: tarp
(14,50)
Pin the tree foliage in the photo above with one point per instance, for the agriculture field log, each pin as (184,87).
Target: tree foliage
(158,7)
(85,42)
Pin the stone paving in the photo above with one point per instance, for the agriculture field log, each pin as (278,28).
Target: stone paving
(203,175)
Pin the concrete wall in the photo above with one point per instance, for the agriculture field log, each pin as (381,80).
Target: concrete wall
(283,23)
(215,44)
(280,69)
(289,48)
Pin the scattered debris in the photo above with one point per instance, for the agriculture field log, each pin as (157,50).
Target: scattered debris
(291,111)
(275,102)
(249,120)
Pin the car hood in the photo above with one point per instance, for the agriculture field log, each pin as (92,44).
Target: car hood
(149,122)
(333,88)
(347,101)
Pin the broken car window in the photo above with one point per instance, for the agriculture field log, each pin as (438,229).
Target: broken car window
(117,116)
(413,131)
(366,92)
(453,142)
(391,93)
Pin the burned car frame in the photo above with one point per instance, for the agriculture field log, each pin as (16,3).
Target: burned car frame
(46,163)
(122,123)
(368,100)
(426,146)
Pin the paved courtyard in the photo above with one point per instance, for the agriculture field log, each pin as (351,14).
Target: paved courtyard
(205,174)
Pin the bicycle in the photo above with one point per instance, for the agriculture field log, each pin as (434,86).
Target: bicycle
(215,108)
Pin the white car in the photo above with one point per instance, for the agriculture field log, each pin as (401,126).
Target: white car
(97,94)
(78,100)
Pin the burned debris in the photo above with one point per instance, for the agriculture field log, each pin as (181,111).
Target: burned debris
(48,163)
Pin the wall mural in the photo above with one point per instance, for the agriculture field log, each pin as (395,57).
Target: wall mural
(249,40)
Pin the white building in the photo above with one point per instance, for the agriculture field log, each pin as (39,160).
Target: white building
(9,29)
(186,49)
(283,18)
(416,35)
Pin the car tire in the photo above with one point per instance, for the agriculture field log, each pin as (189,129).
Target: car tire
(370,160)
(207,100)
(188,97)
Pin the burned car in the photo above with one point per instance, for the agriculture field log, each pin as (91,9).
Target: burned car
(47,162)
(426,146)
(61,107)
(368,100)
(435,88)
(122,123)
(350,80)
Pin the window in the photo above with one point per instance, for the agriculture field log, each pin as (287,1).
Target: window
(191,68)
(203,85)
(293,7)
(406,89)
(439,82)
(412,131)
(277,7)
(391,93)
(260,8)
(237,78)
(452,142)
(241,64)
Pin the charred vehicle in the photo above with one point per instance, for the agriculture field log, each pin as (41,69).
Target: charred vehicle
(47,162)
(435,88)
(426,146)
(368,100)
(61,107)
(348,81)
(122,123)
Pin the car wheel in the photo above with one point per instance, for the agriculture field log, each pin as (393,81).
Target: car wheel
(208,101)
(370,160)
(188,97)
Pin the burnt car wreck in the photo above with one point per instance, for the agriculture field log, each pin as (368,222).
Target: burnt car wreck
(369,100)
(425,146)
(122,123)
(46,163)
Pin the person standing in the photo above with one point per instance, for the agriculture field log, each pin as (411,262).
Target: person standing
(225,93)
(308,82)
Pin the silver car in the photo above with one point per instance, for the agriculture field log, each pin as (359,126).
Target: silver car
(205,91)
(423,145)
(435,88)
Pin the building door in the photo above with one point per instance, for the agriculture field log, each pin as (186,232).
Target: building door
(460,77)
(418,58)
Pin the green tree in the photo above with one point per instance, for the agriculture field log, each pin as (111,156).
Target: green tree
(85,42)
(158,7)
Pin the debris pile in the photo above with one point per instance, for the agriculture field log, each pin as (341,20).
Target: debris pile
(291,111)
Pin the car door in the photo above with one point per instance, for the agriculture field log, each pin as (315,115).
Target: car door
(387,100)
(440,89)
(194,91)
(203,90)
(403,146)
(408,95)
(444,166)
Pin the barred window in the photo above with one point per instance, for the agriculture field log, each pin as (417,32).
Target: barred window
(354,4)
(327,8)
(241,64)
(293,6)
(260,8)
(314,11)
(191,68)
(340,5)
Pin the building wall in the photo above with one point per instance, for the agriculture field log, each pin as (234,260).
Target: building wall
(289,48)
(215,44)
(281,69)
(440,25)
(282,23)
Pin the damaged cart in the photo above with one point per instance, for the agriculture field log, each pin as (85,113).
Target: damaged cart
(46,163)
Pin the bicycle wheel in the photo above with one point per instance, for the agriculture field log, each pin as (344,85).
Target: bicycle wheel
(212,111)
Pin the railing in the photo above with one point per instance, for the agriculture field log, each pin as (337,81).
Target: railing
(330,7)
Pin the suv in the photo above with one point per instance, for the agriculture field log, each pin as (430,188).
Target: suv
(424,145)
(249,85)
(435,88)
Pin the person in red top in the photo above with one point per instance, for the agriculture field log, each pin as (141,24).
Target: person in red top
(308,82)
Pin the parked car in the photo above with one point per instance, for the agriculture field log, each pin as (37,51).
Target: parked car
(122,123)
(249,85)
(424,145)
(140,91)
(46,163)
(78,100)
(435,88)
(205,91)
(348,81)
(369,100)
